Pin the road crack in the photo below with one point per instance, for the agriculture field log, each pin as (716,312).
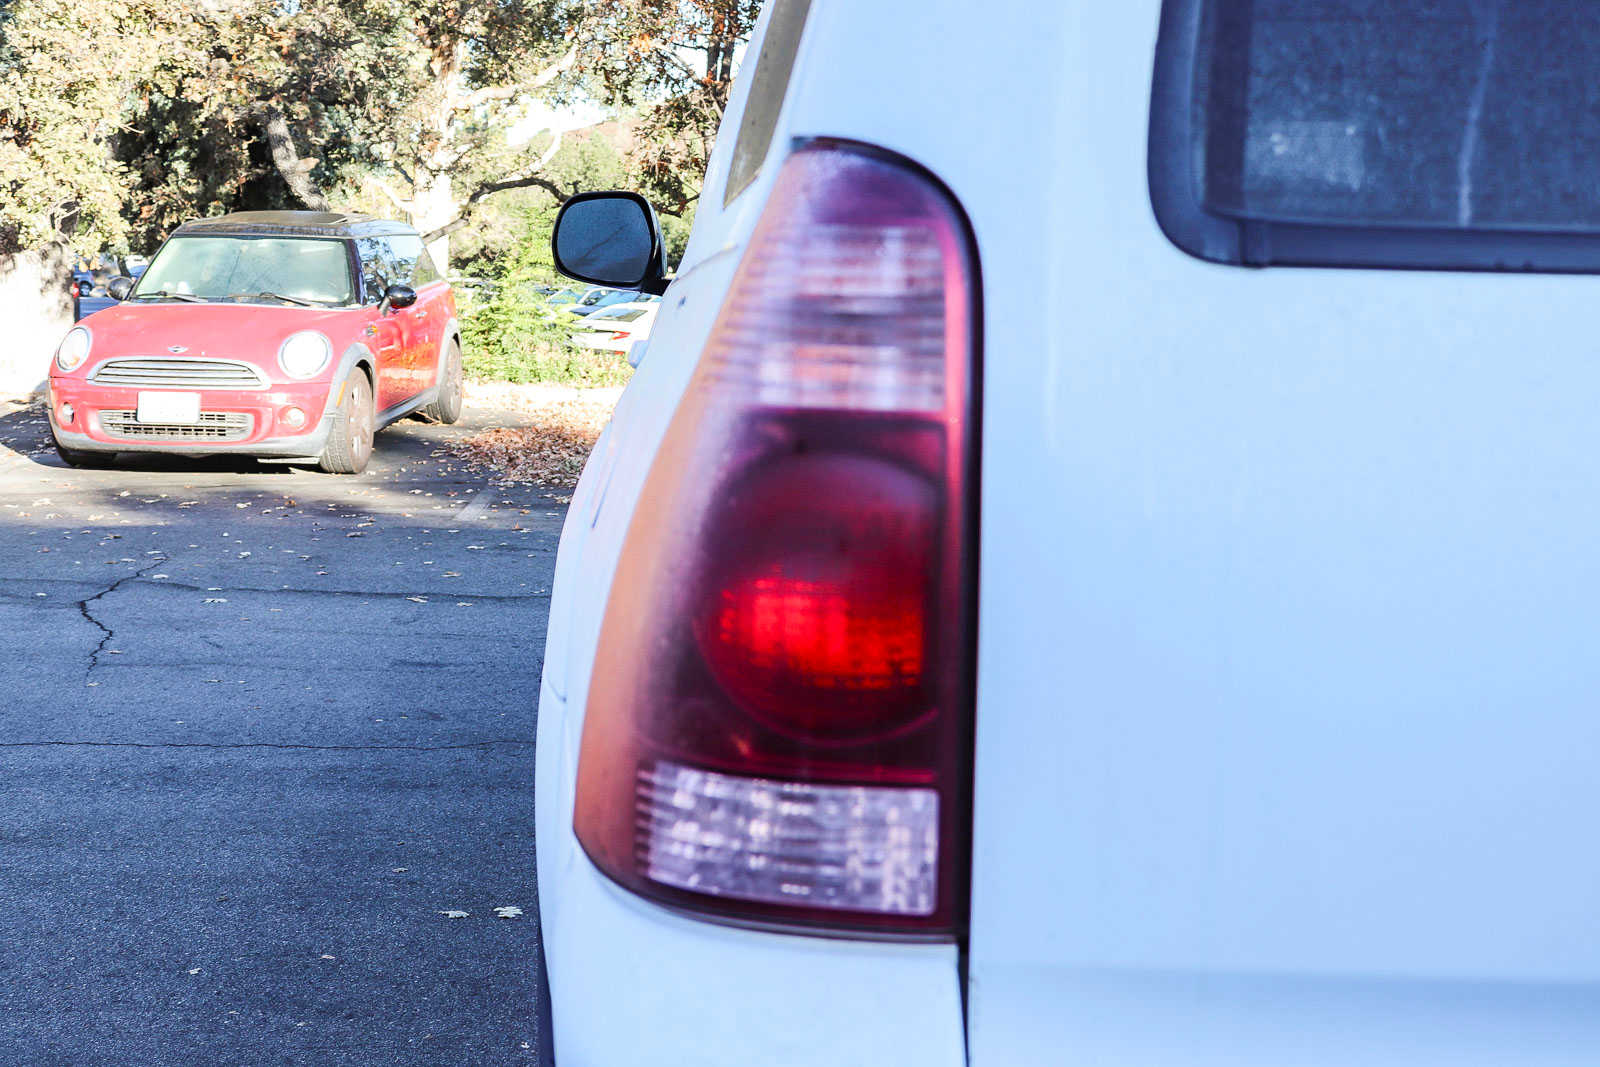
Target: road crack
(106,633)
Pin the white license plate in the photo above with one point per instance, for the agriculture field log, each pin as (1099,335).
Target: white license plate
(180,409)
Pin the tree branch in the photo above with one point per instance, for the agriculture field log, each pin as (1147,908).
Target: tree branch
(296,172)
(489,189)
(508,92)
(388,190)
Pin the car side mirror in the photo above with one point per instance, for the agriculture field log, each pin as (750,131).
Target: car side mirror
(119,288)
(611,239)
(399,296)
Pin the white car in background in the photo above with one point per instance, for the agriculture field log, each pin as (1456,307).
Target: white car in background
(1201,673)
(618,327)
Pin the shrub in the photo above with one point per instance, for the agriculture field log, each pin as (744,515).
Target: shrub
(510,337)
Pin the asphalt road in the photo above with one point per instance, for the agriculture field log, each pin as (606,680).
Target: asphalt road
(267,739)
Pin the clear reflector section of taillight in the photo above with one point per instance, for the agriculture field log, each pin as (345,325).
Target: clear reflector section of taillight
(838,315)
(858,848)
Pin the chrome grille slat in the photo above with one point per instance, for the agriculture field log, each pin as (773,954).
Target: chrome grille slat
(213,426)
(178,373)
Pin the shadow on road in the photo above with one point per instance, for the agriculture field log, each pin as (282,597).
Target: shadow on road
(26,432)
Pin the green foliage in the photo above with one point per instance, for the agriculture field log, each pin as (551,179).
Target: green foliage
(512,337)
(509,344)
(65,68)
(195,142)
(634,52)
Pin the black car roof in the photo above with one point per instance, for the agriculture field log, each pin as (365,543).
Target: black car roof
(309,223)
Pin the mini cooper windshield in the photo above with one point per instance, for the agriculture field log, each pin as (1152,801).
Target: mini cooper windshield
(290,270)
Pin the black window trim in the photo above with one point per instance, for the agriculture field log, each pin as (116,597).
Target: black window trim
(1219,238)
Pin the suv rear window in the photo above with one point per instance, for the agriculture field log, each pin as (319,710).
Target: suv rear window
(1408,133)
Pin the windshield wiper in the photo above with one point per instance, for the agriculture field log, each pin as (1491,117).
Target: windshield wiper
(162,294)
(264,295)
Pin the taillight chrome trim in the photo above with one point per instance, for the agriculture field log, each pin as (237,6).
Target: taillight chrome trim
(958,427)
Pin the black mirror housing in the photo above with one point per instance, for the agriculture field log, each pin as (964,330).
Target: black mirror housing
(611,239)
(119,288)
(399,295)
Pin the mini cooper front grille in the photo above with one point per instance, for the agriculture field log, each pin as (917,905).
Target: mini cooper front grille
(178,374)
(213,426)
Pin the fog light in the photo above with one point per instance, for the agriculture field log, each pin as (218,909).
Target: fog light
(293,418)
(64,413)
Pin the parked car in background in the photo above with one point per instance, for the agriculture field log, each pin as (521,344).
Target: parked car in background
(593,300)
(284,335)
(616,328)
(476,290)
(1200,673)
(91,276)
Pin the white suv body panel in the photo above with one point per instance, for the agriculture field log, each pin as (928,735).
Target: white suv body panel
(1285,727)
(631,982)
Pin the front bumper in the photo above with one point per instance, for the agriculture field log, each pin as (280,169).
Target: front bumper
(267,434)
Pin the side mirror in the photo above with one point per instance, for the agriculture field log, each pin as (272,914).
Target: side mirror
(119,288)
(610,239)
(399,296)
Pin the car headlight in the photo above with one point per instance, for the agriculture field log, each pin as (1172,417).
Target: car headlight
(73,349)
(304,354)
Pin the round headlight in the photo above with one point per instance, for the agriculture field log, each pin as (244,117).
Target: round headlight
(304,354)
(73,349)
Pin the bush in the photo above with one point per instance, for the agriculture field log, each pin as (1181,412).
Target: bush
(509,336)
(509,340)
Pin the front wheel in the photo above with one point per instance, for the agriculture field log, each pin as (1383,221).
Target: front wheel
(447,407)
(77,457)
(350,441)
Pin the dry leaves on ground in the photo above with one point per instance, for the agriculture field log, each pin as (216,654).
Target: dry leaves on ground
(552,447)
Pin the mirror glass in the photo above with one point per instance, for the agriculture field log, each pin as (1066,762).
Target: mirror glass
(606,239)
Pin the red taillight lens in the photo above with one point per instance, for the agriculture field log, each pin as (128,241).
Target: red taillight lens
(815,619)
(74,290)
(779,714)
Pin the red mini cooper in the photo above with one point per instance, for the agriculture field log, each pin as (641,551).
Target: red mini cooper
(285,335)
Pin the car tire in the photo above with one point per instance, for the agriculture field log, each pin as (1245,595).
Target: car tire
(349,444)
(447,408)
(77,457)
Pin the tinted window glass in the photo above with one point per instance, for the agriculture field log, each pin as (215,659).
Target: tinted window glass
(1463,114)
(769,81)
(377,267)
(426,271)
(412,263)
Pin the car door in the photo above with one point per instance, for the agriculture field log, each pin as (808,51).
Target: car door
(388,331)
(425,320)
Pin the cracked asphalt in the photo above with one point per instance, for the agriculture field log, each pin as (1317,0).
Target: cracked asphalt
(264,731)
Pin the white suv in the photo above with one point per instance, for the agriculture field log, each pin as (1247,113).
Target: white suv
(1203,673)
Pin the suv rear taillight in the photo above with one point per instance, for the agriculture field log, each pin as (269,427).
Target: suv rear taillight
(779,720)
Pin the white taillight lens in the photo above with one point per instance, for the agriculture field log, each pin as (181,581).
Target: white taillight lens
(855,848)
(778,720)
(304,354)
(74,349)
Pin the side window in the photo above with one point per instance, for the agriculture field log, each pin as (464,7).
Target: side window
(413,265)
(769,81)
(426,271)
(377,267)
(1409,134)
